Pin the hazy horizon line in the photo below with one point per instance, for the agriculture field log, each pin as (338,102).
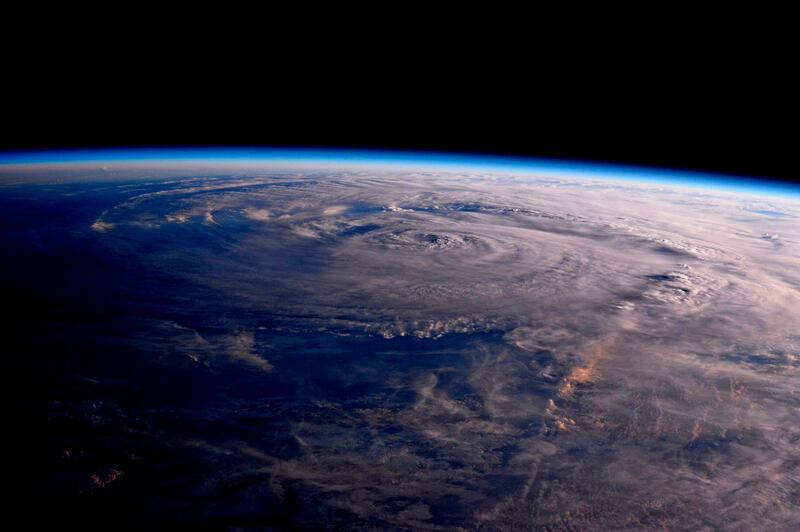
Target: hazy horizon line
(417,159)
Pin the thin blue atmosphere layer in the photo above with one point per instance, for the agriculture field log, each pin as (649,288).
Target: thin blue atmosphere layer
(433,160)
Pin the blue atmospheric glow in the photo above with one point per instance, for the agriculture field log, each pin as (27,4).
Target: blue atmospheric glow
(419,160)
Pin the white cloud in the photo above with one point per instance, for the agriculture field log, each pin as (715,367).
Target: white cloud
(101,226)
(261,215)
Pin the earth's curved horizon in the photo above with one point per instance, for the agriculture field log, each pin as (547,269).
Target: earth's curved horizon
(361,340)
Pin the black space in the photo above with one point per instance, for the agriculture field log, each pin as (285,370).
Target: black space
(725,110)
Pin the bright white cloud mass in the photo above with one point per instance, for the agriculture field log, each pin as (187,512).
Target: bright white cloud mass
(494,351)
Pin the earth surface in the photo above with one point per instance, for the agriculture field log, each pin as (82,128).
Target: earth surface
(371,348)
